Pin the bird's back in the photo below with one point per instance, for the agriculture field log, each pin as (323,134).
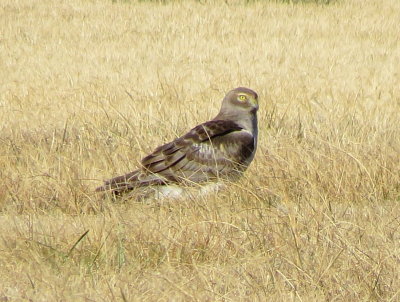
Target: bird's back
(214,150)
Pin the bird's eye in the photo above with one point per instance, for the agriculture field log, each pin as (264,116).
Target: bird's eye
(242,97)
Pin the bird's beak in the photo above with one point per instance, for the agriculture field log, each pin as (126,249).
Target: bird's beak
(254,102)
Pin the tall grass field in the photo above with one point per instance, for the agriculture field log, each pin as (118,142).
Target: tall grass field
(88,88)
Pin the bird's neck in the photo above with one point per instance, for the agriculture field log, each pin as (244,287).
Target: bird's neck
(247,121)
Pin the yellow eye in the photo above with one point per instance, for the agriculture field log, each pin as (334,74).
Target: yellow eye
(242,97)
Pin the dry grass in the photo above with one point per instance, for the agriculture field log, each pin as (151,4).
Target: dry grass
(88,87)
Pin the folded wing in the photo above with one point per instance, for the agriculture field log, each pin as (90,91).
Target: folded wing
(217,148)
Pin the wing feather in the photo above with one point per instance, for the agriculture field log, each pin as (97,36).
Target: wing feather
(205,152)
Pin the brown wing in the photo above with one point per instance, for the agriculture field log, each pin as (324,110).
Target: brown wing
(214,149)
(207,151)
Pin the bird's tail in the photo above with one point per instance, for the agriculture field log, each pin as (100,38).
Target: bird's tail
(120,184)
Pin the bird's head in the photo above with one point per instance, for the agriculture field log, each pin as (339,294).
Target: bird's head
(240,99)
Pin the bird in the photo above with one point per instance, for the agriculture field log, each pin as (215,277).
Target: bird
(217,150)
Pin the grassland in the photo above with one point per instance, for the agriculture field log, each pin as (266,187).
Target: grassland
(88,87)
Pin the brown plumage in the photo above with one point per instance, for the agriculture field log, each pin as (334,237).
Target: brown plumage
(218,149)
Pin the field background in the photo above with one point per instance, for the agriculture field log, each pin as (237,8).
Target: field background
(88,87)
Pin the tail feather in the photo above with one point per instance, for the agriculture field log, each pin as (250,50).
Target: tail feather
(131,181)
(120,183)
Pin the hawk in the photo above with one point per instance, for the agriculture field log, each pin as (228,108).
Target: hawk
(220,149)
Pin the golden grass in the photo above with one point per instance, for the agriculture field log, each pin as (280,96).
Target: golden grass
(88,87)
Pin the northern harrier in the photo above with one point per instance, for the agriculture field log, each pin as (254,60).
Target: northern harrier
(221,148)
